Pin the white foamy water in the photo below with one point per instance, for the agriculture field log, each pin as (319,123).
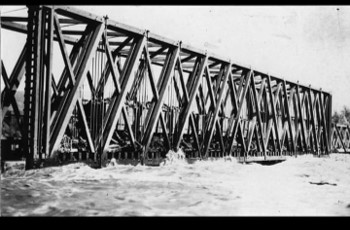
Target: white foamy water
(305,185)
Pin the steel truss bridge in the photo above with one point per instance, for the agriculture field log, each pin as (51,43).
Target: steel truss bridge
(96,89)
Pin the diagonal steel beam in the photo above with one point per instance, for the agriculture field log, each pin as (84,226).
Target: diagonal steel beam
(155,93)
(287,105)
(324,123)
(187,110)
(236,101)
(10,99)
(157,108)
(208,136)
(301,118)
(194,132)
(274,118)
(237,116)
(14,80)
(258,111)
(116,76)
(117,106)
(62,122)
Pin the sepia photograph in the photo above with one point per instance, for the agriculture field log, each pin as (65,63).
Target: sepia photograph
(179,110)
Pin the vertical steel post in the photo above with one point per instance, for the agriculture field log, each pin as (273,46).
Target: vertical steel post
(47,97)
(0,97)
(31,133)
(329,119)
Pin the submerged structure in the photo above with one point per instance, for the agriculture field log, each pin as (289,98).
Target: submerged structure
(96,89)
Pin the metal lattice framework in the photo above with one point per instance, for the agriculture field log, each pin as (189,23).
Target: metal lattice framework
(131,94)
(340,137)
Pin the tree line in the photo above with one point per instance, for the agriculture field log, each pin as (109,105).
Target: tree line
(342,117)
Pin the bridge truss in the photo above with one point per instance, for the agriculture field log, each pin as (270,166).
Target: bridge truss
(108,90)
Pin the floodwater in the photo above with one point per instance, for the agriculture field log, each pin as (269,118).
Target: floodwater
(302,186)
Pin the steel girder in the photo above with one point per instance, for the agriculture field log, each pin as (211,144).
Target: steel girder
(340,137)
(148,94)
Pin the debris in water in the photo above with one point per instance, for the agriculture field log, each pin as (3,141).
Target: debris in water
(322,183)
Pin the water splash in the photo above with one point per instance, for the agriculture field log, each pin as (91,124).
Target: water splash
(173,157)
